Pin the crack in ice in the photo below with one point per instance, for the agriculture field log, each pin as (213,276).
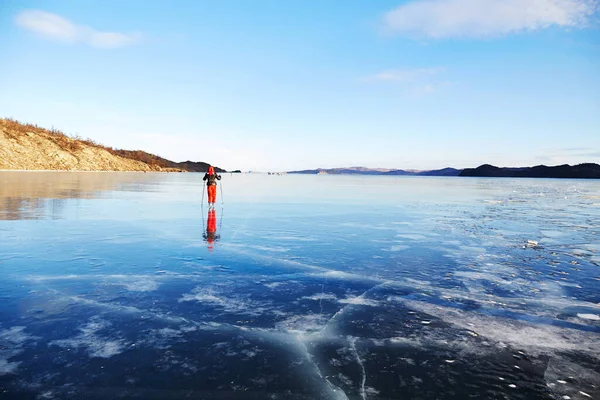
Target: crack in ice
(363,394)
(337,392)
(341,310)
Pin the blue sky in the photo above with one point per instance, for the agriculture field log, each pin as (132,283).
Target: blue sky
(281,85)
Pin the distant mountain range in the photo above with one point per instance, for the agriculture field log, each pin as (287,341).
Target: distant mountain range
(378,171)
(30,147)
(588,170)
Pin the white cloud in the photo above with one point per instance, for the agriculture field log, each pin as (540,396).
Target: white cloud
(485,18)
(54,27)
(49,25)
(110,40)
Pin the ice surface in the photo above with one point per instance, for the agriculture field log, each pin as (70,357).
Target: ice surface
(89,338)
(12,343)
(434,288)
(593,317)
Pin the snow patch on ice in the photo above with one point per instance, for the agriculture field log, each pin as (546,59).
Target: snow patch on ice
(92,341)
(359,300)
(164,337)
(399,247)
(273,285)
(320,296)
(534,337)
(204,298)
(144,285)
(15,336)
(7,367)
(230,304)
(12,341)
(411,236)
(405,341)
(302,323)
(593,317)
(343,276)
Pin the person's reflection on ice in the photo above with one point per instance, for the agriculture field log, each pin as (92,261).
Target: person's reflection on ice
(211,229)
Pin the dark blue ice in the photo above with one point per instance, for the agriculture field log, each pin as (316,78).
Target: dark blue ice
(312,287)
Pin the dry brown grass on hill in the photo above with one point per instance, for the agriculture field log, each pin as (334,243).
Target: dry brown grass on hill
(31,147)
(73,143)
(63,140)
(15,129)
(28,146)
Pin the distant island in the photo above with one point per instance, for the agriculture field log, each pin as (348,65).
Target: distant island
(30,147)
(587,171)
(378,171)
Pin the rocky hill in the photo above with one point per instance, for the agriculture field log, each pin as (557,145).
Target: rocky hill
(152,159)
(588,171)
(30,147)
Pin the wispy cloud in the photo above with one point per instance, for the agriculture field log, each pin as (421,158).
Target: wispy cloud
(485,18)
(54,27)
(575,151)
(571,155)
(426,89)
(404,75)
(416,81)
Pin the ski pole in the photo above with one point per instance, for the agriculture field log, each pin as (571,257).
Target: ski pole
(203,195)
(222,200)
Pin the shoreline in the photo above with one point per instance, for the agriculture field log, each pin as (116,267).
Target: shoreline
(71,170)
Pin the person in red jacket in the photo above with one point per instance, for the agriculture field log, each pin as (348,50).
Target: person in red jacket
(211,185)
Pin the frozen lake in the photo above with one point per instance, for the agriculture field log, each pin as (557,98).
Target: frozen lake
(312,287)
